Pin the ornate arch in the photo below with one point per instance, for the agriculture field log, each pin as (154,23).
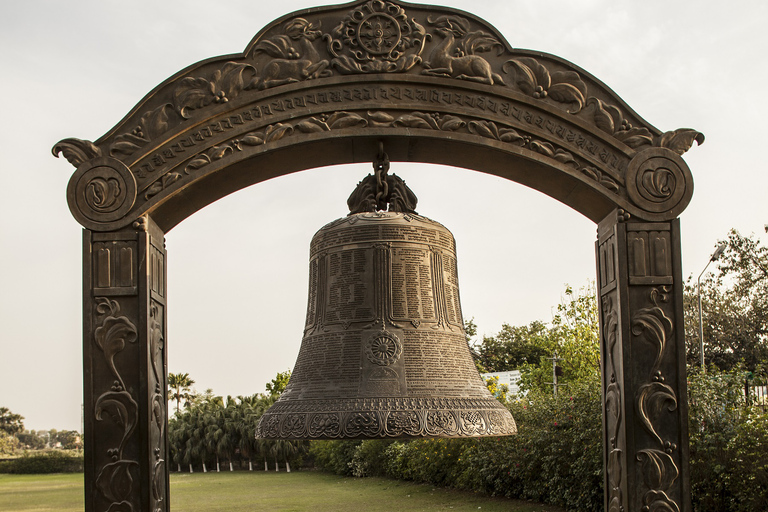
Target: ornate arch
(327,86)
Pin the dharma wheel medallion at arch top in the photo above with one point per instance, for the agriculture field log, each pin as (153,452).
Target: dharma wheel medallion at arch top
(327,86)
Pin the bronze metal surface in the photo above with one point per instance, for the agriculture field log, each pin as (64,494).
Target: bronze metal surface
(384,352)
(317,88)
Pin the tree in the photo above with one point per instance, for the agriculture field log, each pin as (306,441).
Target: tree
(31,440)
(573,333)
(277,385)
(10,423)
(179,388)
(734,300)
(511,348)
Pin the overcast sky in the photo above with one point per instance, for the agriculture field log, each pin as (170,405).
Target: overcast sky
(238,269)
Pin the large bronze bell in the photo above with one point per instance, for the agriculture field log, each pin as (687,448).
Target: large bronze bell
(384,352)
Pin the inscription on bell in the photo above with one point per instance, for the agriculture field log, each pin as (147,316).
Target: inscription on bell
(349,298)
(384,352)
(412,284)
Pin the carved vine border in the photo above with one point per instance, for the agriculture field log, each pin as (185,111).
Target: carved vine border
(380,119)
(659,470)
(115,480)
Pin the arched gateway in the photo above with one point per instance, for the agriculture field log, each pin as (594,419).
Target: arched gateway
(326,86)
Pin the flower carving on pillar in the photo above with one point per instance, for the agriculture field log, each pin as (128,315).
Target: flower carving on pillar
(374,38)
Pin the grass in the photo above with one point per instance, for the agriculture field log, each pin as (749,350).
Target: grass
(276,492)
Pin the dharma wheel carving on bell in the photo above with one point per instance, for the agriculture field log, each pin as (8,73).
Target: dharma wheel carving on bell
(384,352)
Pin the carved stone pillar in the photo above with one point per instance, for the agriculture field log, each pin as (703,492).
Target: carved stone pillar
(645,404)
(124,362)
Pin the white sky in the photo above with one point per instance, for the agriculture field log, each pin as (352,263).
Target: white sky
(238,268)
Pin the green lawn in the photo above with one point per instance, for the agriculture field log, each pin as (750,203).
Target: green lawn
(276,492)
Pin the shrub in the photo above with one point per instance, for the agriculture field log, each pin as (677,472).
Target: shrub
(369,458)
(44,462)
(556,457)
(334,456)
(729,444)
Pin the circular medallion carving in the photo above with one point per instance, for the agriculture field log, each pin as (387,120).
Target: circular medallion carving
(376,37)
(379,34)
(659,181)
(101,190)
(383,348)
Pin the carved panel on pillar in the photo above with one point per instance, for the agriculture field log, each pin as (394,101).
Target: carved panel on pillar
(614,439)
(157,375)
(645,410)
(125,370)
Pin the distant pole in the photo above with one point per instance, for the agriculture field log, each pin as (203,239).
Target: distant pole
(715,256)
(555,360)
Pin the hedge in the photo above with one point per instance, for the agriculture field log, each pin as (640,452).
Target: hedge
(556,457)
(43,462)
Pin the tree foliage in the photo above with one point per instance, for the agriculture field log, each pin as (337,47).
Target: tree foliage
(572,333)
(214,430)
(180,388)
(10,423)
(734,300)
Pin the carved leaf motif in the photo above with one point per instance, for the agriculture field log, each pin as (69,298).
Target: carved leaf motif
(105,306)
(346,120)
(227,83)
(651,400)
(158,480)
(609,183)
(122,409)
(416,120)
(545,148)
(151,125)
(615,504)
(192,93)
(213,154)
(115,482)
(197,162)
(484,128)
(380,118)
(76,151)
(161,184)
(567,87)
(529,74)
(510,135)
(591,172)
(606,116)
(614,468)
(312,125)
(218,152)
(635,137)
(253,139)
(613,409)
(658,469)
(658,501)
(111,337)
(565,157)
(654,326)
(680,140)
(451,123)
(277,131)
(347,65)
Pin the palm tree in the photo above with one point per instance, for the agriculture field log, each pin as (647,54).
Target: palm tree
(179,385)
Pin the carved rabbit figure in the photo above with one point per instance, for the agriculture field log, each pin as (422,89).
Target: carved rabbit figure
(467,65)
(294,56)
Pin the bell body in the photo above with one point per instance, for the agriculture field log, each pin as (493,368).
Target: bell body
(384,352)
